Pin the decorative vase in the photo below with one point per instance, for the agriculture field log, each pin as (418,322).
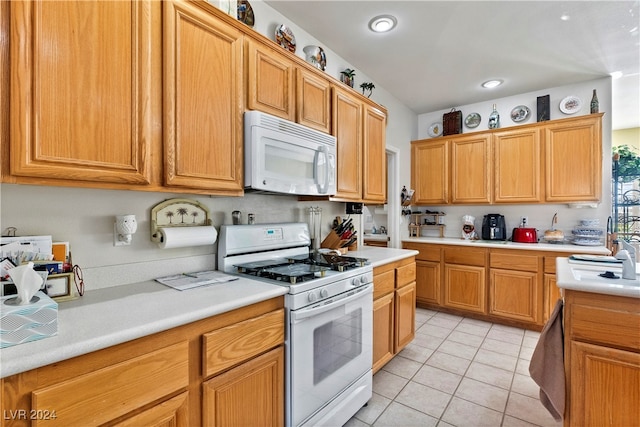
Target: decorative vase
(494,118)
(595,105)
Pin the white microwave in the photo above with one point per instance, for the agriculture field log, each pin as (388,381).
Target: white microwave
(284,157)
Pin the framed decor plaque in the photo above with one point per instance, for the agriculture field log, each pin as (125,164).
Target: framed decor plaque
(543,111)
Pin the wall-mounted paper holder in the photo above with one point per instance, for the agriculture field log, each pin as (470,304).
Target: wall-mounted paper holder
(177,213)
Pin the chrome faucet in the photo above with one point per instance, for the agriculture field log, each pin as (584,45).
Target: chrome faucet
(628,257)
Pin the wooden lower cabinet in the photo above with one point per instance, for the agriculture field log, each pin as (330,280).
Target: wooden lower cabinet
(394,309)
(465,287)
(383,321)
(172,378)
(516,287)
(602,360)
(258,381)
(465,278)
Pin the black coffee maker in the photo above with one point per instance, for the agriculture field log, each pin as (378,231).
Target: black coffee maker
(493,227)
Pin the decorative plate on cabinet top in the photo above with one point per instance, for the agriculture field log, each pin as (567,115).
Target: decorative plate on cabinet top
(285,38)
(245,13)
(435,130)
(472,120)
(570,105)
(520,113)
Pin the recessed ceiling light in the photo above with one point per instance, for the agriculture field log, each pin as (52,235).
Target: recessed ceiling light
(490,84)
(382,23)
(565,17)
(616,75)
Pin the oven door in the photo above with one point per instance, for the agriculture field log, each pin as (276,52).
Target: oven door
(330,347)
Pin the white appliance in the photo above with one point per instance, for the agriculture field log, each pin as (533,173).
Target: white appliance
(329,317)
(284,157)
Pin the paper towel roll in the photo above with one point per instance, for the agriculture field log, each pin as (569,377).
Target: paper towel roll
(180,237)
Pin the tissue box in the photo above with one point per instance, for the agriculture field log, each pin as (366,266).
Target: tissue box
(25,323)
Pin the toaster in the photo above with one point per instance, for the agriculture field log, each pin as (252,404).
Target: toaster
(525,235)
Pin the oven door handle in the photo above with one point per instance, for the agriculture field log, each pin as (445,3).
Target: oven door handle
(305,313)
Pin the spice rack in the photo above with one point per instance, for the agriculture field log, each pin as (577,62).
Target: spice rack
(417,223)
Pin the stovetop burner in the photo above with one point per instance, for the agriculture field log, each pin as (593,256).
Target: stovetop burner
(300,268)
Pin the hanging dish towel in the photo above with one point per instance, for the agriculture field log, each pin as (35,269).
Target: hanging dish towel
(547,364)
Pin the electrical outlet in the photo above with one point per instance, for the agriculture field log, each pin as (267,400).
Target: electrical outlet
(524,221)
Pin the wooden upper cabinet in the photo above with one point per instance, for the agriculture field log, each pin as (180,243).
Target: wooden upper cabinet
(375,156)
(347,128)
(202,102)
(573,156)
(81,90)
(270,79)
(430,171)
(470,169)
(313,101)
(516,169)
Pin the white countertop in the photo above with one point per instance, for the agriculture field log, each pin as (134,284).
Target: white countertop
(106,317)
(110,316)
(565,279)
(570,249)
(378,256)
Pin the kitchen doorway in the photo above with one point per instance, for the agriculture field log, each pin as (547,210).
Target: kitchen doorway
(393,196)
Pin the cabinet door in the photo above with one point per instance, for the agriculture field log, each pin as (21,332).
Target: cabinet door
(430,172)
(313,101)
(573,160)
(270,80)
(515,295)
(202,101)
(170,413)
(551,296)
(81,91)
(251,394)
(516,166)
(347,128)
(470,169)
(428,282)
(605,386)
(383,320)
(374,157)
(465,287)
(405,316)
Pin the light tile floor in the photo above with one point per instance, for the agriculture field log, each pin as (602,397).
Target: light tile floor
(458,372)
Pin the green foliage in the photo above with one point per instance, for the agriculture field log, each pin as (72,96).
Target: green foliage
(628,163)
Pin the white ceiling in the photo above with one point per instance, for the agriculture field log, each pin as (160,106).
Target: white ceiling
(441,51)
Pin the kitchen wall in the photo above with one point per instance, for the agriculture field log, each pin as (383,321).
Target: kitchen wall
(84,217)
(539,215)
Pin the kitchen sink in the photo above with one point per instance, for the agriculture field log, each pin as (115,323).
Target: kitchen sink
(593,275)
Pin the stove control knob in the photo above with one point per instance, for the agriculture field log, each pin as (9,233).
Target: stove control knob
(355,282)
(324,293)
(312,296)
(363,279)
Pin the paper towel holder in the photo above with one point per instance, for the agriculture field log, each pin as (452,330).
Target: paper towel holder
(187,213)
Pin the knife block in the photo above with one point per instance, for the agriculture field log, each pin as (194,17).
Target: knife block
(333,241)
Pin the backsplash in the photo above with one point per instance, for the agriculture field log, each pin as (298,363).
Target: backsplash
(84,218)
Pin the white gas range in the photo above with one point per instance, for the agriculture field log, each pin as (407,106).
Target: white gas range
(329,317)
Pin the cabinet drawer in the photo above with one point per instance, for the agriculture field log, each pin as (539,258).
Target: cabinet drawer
(233,344)
(383,283)
(427,252)
(406,274)
(509,260)
(465,256)
(108,393)
(606,325)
